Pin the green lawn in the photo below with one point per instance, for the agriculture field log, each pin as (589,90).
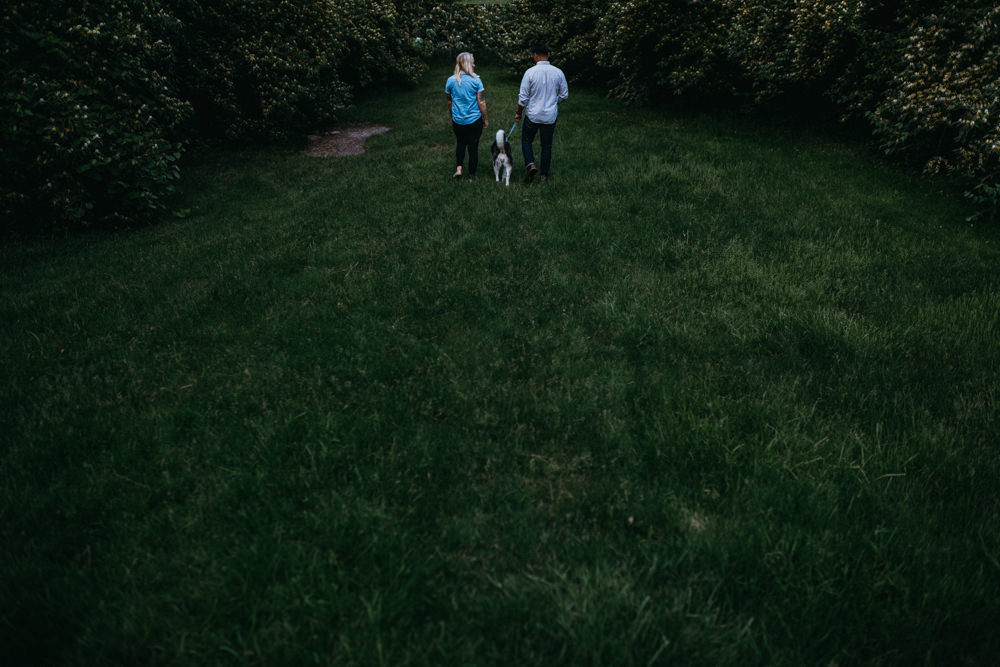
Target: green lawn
(723,392)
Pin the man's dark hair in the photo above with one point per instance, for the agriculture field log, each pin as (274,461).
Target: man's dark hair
(540,49)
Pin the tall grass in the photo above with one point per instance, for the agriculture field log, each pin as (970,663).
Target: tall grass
(723,391)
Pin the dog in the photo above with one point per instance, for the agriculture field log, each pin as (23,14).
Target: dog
(503,157)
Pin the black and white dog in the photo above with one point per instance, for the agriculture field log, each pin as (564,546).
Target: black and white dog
(503,158)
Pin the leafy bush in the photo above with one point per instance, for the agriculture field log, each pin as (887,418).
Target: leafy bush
(270,68)
(88,112)
(485,30)
(795,49)
(942,108)
(924,76)
(657,49)
(568,27)
(98,96)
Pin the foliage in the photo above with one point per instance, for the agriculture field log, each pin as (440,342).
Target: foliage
(569,29)
(674,47)
(793,48)
(924,76)
(98,96)
(270,68)
(88,111)
(484,29)
(251,69)
(943,107)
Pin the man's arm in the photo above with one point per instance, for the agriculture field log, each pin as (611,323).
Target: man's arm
(523,95)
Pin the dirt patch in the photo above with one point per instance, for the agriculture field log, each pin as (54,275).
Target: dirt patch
(348,139)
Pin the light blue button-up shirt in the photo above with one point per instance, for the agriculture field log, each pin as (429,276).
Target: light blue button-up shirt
(543,87)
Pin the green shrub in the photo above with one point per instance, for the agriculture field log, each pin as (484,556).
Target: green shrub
(942,107)
(795,50)
(568,27)
(659,49)
(88,113)
(271,68)
(483,29)
(924,76)
(98,96)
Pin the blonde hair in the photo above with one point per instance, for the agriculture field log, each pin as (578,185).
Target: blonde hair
(464,63)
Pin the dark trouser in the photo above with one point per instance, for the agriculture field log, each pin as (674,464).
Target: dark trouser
(527,139)
(467,136)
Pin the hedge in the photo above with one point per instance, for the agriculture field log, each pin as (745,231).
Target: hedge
(923,76)
(89,114)
(101,97)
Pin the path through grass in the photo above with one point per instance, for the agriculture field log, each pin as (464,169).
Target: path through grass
(722,392)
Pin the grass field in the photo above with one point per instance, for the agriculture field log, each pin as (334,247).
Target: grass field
(722,392)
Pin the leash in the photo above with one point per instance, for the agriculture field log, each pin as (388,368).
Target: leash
(509,134)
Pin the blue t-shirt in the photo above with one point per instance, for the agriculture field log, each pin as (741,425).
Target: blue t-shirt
(464,107)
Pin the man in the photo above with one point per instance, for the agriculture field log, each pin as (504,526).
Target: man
(543,87)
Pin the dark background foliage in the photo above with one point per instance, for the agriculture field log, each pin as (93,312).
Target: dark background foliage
(923,78)
(100,98)
(91,121)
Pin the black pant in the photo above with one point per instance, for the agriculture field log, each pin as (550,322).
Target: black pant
(467,136)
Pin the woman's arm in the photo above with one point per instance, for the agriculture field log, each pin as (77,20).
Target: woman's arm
(481,101)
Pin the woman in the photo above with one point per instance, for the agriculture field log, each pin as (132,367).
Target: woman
(468,111)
